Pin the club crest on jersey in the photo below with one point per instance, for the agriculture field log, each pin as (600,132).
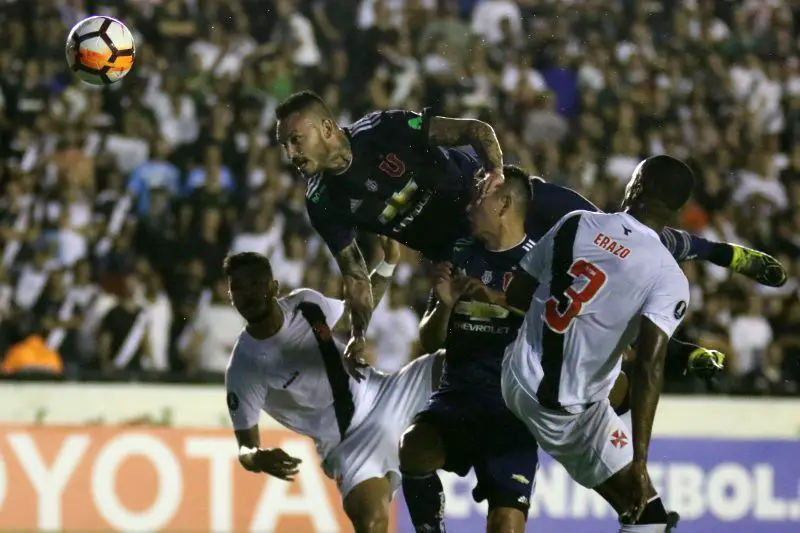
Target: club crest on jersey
(680,310)
(393,166)
(371,185)
(487,277)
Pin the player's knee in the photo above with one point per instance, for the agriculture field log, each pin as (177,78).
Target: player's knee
(505,520)
(421,449)
(374,521)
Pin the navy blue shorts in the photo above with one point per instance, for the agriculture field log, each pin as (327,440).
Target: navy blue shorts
(492,441)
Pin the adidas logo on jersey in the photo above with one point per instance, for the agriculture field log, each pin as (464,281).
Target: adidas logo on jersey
(355,204)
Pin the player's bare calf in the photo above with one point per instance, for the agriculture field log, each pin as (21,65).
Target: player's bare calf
(368,505)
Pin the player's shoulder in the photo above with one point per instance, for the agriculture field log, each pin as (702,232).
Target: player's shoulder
(384,121)
(572,219)
(303,294)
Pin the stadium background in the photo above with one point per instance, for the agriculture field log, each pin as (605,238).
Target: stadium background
(125,200)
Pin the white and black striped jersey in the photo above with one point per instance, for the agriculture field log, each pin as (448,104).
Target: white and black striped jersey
(287,376)
(599,274)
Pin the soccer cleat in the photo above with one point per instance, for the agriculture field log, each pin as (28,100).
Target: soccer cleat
(672,520)
(759,266)
(705,363)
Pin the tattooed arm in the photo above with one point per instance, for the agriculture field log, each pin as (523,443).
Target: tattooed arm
(357,288)
(378,280)
(444,131)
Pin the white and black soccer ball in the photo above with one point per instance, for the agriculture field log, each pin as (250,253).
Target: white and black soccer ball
(100,50)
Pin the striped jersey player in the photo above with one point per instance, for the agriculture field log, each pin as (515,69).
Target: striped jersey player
(601,281)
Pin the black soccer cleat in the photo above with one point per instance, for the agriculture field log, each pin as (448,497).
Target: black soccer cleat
(758,266)
(672,520)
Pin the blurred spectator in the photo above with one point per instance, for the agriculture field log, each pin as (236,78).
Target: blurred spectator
(214,334)
(157,177)
(394,329)
(751,336)
(122,337)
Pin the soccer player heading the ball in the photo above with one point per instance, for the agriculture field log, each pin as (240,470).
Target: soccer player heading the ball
(412,176)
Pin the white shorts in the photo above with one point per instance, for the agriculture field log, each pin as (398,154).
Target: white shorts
(591,446)
(372,448)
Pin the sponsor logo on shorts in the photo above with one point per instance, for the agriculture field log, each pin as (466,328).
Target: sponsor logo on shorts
(619,439)
(521,479)
(523,500)
(415,123)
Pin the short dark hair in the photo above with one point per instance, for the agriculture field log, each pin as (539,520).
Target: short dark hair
(667,180)
(235,262)
(300,101)
(517,184)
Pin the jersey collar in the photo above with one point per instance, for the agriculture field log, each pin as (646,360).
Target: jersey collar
(647,229)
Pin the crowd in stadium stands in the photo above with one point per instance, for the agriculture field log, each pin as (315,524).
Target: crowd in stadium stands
(119,205)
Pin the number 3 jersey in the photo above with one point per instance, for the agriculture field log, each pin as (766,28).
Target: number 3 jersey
(478,333)
(599,274)
(397,185)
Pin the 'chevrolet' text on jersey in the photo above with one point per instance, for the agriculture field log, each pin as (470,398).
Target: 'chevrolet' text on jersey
(479,332)
(397,185)
(599,274)
(286,376)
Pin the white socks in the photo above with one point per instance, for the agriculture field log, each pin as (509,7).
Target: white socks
(643,528)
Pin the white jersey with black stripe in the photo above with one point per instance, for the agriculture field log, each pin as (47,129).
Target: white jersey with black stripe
(599,274)
(285,376)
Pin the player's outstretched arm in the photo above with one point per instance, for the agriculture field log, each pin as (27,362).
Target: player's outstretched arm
(379,279)
(433,327)
(647,379)
(274,462)
(357,287)
(443,131)
(756,265)
(358,294)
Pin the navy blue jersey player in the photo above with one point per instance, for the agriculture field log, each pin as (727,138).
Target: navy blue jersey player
(466,423)
(402,174)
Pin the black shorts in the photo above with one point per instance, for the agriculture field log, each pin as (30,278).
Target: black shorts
(492,441)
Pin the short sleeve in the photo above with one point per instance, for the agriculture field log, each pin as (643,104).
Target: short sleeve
(534,262)
(668,300)
(337,233)
(246,391)
(331,307)
(409,127)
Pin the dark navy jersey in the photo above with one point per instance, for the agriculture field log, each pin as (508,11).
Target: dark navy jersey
(400,186)
(397,185)
(479,332)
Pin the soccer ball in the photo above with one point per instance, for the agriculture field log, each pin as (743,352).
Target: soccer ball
(100,50)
